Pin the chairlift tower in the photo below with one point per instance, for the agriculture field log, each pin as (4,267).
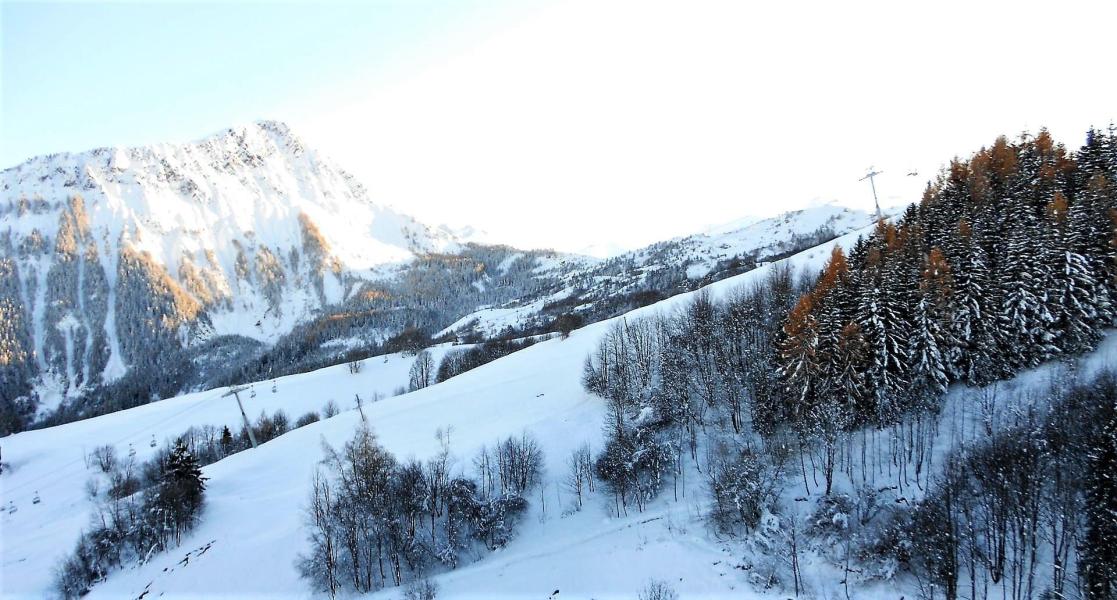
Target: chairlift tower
(235,392)
(870,175)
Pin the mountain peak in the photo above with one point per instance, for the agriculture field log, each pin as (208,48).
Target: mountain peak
(248,223)
(258,130)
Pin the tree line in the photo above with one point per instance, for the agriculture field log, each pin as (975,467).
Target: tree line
(1007,262)
(375,521)
(834,381)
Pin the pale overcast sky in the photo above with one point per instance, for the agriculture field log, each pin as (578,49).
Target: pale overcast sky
(570,123)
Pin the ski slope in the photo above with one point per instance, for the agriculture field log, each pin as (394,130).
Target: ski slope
(50,462)
(252,529)
(255,498)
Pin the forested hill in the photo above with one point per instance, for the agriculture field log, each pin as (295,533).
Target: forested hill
(815,405)
(1008,261)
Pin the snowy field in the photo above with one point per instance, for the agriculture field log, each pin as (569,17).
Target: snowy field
(251,531)
(51,463)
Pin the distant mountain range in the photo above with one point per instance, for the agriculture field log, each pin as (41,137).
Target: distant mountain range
(131,274)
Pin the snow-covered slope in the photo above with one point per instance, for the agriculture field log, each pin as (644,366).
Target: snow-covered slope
(253,526)
(51,463)
(684,262)
(184,265)
(246,232)
(254,510)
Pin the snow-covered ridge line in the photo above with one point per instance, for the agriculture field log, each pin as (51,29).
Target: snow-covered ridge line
(233,245)
(691,259)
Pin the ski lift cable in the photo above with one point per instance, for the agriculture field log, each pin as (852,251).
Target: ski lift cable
(60,472)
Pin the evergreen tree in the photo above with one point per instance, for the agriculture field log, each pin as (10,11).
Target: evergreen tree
(881,318)
(226,440)
(173,506)
(848,389)
(972,340)
(1074,294)
(1091,234)
(1099,553)
(1025,320)
(931,323)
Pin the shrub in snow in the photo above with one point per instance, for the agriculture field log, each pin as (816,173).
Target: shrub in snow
(104,457)
(421,589)
(307,419)
(658,590)
(742,485)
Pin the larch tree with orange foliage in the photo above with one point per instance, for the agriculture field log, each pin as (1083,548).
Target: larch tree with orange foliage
(798,353)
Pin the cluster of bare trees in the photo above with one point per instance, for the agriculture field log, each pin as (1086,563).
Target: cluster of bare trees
(1025,512)
(422,372)
(376,522)
(700,378)
(512,467)
(580,474)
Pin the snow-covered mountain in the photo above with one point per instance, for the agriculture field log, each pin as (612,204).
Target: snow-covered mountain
(254,527)
(140,273)
(110,255)
(603,288)
(254,515)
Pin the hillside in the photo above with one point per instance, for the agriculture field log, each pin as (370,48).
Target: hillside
(253,527)
(254,510)
(627,280)
(190,260)
(134,274)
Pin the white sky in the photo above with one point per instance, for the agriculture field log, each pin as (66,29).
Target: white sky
(621,123)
